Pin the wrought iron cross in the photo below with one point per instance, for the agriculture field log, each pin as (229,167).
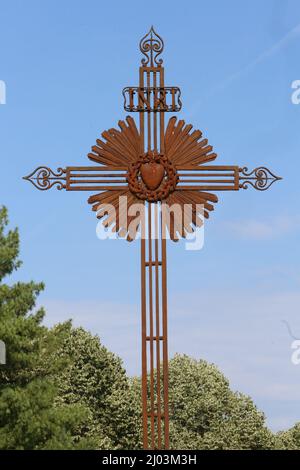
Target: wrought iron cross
(153,165)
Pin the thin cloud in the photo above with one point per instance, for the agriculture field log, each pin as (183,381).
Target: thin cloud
(278,46)
(266,229)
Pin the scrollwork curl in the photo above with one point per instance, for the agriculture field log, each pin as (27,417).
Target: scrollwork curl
(151,45)
(260,178)
(43,178)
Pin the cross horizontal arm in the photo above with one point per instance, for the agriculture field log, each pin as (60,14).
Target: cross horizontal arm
(195,178)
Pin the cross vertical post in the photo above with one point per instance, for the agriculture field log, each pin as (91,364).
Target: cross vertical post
(153,269)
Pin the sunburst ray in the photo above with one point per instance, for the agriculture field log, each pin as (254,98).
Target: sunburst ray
(120,148)
(184,147)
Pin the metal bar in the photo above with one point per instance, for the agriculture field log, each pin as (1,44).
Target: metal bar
(55,178)
(141,115)
(96,168)
(162,115)
(97,188)
(150,296)
(207,181)
(157,338)
(95,175)
(254,178)
(143,302)
(149,116)
(165,335)
(158,263)
(157,74)
(154,114)
(165,364)
(157,319)
(206,188)
(72,181)
(144,345)
(203,175)
(208,168)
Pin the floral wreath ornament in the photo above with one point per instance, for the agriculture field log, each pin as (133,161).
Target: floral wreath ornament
(152,177)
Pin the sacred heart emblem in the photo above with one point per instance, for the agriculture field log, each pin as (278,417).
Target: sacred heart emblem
(152,174)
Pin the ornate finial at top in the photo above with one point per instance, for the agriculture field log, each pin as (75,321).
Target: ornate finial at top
(151,45)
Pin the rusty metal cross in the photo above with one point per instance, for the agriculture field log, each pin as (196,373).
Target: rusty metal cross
(153,165)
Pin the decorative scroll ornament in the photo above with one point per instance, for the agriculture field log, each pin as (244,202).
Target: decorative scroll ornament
(151,45)
(260,178)
(44,178)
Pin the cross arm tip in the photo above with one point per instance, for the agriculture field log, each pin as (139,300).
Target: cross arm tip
(260,178)
(44,178)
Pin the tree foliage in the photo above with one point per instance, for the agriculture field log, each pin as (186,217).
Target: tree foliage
(96,378)
(207,414)
(290,439)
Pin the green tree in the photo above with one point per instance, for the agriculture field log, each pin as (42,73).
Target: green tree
(290,439)
(205,414)
(28,417)
(96,379)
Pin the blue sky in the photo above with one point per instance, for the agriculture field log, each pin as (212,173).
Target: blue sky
(65,64)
